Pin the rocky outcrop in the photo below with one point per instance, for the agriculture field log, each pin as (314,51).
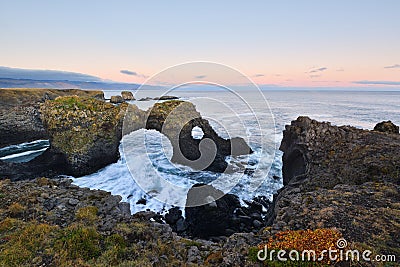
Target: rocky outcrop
(166,97)
(51,222)
(19,112)
(176,119)
(209,213)
(85,131)
(57,201)
(145,98)
(127,96)
(116,99)
(340,177)
(387,127)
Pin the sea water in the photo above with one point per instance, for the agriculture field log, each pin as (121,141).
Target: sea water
(134,176)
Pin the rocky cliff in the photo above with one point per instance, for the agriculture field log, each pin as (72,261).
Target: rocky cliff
(340,177)
(86,131)
(19,112)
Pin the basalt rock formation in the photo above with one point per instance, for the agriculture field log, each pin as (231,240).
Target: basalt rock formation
(85,131)
(176,119)
(116,99)
(51,222)
(387,127)
(211,214)
(19,112)
(126,95)
(340,177)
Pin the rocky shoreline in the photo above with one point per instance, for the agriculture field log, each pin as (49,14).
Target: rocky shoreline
(339,178)
(85,132)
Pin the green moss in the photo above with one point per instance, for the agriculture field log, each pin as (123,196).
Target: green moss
(115,240)
(39,244)
(76,123)
(78,242)
(252,255)
(34,95)
(24,243)
(16,209)
(190,243)
(87,214)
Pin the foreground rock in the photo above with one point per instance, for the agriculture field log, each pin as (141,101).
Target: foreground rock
(211,214)
(340,177)
(50,222)
(85,131)
(19,112)
(176,120)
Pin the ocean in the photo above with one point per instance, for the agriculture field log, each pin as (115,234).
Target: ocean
(144,172)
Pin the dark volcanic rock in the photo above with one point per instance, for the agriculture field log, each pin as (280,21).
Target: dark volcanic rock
(208,211)
(211,213)
(48,164)
(340,177)
(145,99)
(387,127)
(166,97)
(324,155)
(116,99)
(126,95)
(176,119)
(19,112)
(58,205)
(85,131)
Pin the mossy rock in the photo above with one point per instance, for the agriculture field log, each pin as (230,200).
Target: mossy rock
(86,130)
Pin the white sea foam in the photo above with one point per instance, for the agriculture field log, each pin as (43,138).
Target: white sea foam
(361,109)
(22,154)
(152,175)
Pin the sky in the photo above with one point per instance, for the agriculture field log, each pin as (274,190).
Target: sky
(342,43)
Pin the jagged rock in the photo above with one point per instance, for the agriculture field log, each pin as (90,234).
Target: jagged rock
(113,224)
(208,211)
(126,95)
(173,216)
(19,112)
(339,177)
(237,247)
(141,201)
(193,254)
(387,127)
(84,135)
(166,97)
(313,150)
(145,99)
(85,131)
(116,99)
(176,119)
(211,214)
